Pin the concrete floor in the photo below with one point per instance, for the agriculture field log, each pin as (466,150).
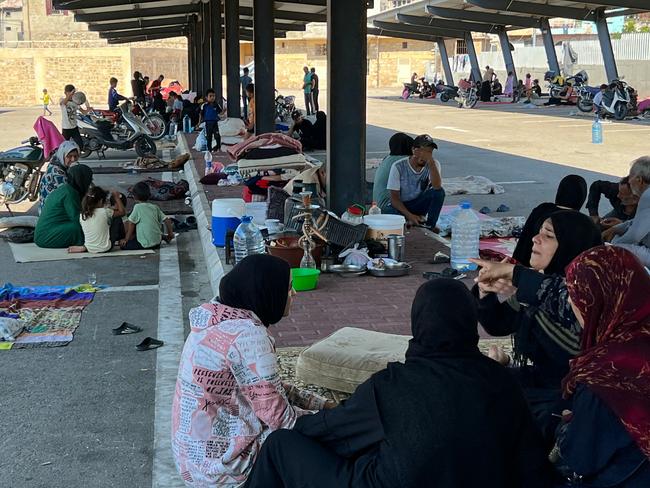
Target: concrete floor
(86,411)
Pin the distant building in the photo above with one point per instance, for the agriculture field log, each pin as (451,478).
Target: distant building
(11,21)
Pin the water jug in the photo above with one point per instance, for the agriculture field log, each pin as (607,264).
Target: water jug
(597,131)
(187,124)
(248,239)
(465,234)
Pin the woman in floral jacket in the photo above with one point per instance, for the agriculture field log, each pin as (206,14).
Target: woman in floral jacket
(229,396)
(66,155)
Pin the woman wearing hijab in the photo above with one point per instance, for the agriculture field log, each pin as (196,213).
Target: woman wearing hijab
(67,154)
(536,311)
(605,440)
(58,226)
(319,134)
(401,146)
(447,417)
(229,396)
(571,195)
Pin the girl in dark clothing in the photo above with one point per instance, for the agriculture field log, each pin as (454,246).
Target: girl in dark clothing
(546,332)
(605,441)
(571,195)
(447,417)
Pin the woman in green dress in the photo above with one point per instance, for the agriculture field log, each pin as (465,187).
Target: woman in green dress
(59,226)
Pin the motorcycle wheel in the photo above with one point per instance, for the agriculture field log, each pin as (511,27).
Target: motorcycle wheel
(156,125)
(144,146)
(585,105)
(444,97)
(471,102)
(555,92)
(620,111)
(90,144)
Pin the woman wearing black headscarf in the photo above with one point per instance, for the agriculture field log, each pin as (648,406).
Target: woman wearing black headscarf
(448,417)
(571,195)
(536,311)
(401,146)
(229,396)
(59,226)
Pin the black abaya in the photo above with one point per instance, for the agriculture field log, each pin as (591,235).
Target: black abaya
(447,417)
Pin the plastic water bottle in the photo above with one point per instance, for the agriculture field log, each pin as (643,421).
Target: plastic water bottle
(187,124)
(374,209)
(248,239)
(173,130)
(208,162)
(597,131)
(465,233)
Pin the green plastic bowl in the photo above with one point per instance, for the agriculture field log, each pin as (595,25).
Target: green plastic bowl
(305,279)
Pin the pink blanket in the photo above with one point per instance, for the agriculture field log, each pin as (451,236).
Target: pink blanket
(48,134)
(237,151)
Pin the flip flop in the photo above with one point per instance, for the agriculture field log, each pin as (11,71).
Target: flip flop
(149,343)
(126,328)
(503,208)
(485,210)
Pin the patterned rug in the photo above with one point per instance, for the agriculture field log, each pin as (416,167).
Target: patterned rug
(50,314)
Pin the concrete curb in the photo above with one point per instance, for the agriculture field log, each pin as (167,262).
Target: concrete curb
(214,257)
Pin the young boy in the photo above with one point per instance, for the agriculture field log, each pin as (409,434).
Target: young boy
(210,112)
(114,98)
(46,101)
(144,225)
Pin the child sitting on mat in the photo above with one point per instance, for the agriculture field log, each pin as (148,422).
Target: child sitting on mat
(144,225)
(102,226)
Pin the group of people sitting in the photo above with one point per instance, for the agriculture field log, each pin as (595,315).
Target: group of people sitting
(82,217)
(312,136)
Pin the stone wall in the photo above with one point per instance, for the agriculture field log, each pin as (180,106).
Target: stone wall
(170,62)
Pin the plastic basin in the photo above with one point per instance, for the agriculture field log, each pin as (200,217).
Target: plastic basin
(304,279)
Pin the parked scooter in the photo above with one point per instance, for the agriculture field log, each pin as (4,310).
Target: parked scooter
(448,92)
(100,134)
(152,120)
(410,89)
(467,94)
(284,106)
(586,96)
(20,172)
(618,100)
(426,89)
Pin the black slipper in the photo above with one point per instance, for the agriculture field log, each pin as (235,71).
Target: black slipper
(127,328)
(148,344)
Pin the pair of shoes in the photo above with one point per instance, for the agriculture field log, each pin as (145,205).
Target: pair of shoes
(503,208)
(147,344)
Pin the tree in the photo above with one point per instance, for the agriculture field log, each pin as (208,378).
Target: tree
(629,26)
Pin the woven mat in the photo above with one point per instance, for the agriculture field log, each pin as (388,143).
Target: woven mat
(287,357)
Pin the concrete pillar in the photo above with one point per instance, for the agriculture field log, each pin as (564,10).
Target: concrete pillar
(444,59)
(549,46)
(190,61)
(206,51)
(264,54)
(198,58)
(346,115)
(231,17)
(606,46)
(215,41)
(507,54)
(473,59)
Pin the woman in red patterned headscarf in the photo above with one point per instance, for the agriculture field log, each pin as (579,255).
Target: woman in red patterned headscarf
(607,439)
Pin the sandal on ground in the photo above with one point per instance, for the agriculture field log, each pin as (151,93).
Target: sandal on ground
(149,343)
(126,328)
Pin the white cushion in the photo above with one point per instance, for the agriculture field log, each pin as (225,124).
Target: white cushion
(349,357)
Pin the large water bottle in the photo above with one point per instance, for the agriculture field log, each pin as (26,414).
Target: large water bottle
(207,156)
(248,239)
(597,131)
(187,124)
(465,233)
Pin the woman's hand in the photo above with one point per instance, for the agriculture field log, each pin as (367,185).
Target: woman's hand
(492,271)
(499,355)
(500,287)
(330,404)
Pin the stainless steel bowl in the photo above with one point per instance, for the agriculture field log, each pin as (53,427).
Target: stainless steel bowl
(347,270)
(391,270)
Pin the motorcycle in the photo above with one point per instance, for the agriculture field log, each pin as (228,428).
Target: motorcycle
(467,94)
(426,90)
(618,100)
(20,172)
(410,89)
(152,120)
(586,96)
(284,106)
(99,134)
(448,92)
(557,84)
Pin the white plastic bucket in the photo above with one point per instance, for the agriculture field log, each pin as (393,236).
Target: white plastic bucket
(226,215)
(258,211)
(383,225)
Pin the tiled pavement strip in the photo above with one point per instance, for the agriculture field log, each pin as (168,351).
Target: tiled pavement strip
(381,304)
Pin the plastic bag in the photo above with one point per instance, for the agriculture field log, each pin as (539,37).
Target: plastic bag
(201,143)
(355,256)
(10,327)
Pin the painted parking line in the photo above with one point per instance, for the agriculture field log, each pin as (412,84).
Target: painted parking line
(631,129)
(524,182)
(170,330)
(128,289)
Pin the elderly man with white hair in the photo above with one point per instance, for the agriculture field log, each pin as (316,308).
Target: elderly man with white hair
(634,235)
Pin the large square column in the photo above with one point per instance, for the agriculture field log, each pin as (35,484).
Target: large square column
(231,17)
(264,54)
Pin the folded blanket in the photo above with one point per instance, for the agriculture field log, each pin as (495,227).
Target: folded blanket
(231,127)
(238,151)
(471,185)
(250,167)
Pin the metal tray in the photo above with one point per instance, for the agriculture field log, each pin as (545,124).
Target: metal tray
(347,270)
(391,271)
